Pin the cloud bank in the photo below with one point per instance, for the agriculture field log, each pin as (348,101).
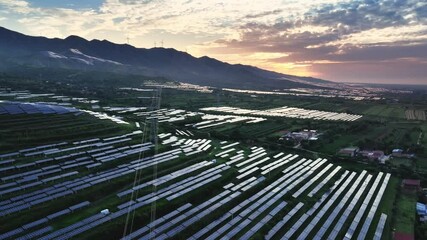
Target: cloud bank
(358,41)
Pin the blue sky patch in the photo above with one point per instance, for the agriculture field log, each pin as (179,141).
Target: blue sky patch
(71,4)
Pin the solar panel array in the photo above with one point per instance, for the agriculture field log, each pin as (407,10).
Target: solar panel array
(289,112)
(15,108)
(48,97)
(380,227)
(208,120)
(103,116)
(50,173)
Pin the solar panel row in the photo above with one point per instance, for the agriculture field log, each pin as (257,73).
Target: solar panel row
(33,108)
(249,215)
(96,179)
(342,203)
(380,227)
(265,202)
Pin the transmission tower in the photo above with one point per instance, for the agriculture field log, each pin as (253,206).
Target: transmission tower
(154,139)
(150,125)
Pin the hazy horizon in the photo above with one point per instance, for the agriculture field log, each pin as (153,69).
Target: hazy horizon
(344,41)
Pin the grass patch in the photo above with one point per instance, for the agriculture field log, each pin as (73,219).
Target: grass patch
(405,214)
(401,161)
(387,206)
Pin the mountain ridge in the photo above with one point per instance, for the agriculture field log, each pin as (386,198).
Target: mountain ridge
(75,52)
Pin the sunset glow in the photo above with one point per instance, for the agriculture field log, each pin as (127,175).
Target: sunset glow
(294,37)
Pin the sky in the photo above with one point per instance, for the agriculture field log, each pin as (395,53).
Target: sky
(374,41)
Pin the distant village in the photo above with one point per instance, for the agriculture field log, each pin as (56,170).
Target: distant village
(374,155)
(298,136)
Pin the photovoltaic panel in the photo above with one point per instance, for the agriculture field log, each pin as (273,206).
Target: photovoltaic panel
(44,109)
(29,108)
(7,107)
(3,110)
(13,109)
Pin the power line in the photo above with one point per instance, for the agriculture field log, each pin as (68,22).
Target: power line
(136,179)
(154,139)
(154,107)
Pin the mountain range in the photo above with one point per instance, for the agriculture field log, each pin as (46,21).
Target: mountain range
(77,53)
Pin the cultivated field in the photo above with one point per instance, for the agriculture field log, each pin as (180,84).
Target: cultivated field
(246,192)
(219,170)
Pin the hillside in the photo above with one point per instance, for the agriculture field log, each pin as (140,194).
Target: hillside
(77,53)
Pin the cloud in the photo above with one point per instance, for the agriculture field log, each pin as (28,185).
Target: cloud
(285,35)
(396,72)
(136,2)
(367,14)
(263,14)
(355,31)
(18,6)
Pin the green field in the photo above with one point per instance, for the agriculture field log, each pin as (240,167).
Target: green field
(382,127)
(398,162)
(27,130)
(393,111)
(387,206)
(405,213)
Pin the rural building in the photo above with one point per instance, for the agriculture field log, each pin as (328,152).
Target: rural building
(411,184)
(373,155)
(396,152)
(403,236)
(421,211)
(384,159)
(348,152)
(305,134)
(400,153)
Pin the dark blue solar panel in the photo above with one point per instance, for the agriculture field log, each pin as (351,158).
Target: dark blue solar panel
(2,110)
(33,108)
(29,108)
(13,109)
(59,109)
(44,109)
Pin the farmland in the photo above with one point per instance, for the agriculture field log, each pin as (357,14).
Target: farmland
(405,213)
(244,175)
(218,170)
(26,130)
